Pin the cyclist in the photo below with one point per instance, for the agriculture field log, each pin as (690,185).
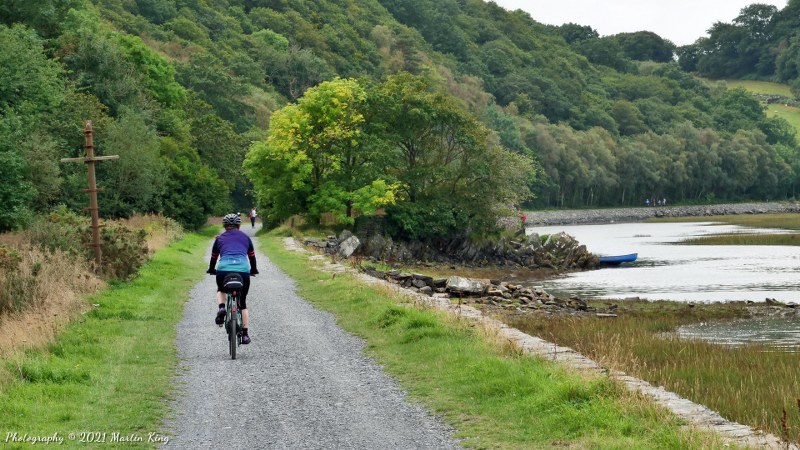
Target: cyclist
(236,254)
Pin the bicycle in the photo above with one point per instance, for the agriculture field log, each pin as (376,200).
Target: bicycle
(232,286)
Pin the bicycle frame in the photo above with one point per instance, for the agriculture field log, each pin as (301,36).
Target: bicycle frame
(233,285)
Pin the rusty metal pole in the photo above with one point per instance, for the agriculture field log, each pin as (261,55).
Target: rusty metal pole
(93,208)
(90,161)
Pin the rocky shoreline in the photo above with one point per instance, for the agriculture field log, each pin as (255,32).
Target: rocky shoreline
(614,215)
(558,251)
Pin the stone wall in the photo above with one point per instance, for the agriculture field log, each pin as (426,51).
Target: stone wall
(613,215)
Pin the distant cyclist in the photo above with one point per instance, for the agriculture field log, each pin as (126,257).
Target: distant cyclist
(236,254)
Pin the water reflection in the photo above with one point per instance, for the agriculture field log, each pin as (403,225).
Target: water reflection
(782,333)
(667,270)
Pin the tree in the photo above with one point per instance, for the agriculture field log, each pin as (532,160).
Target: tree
(572,32)
(401,145)
(454,174)
(135,182)
(319,143)
(645,46)
(628,117)
(191,192)
(30,89)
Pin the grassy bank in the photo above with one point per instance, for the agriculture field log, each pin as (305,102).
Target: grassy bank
(751,384)
(495,397)
(108,372)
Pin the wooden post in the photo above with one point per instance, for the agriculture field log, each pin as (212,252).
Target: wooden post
(90,161)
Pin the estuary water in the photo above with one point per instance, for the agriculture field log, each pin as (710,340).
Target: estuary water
(668,270)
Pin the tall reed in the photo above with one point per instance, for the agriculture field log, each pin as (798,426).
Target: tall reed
(752,384)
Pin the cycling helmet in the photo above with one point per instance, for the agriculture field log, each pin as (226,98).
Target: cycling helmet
(231,219)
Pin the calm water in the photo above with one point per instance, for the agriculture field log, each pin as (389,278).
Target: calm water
(779,332)
(666,270)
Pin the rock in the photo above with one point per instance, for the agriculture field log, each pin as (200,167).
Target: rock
(439,283)
(348,246)
(492,291)
(463,285)
(427,290)
(417,283)
(423,278)
(773,302)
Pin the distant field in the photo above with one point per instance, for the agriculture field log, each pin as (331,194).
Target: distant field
(761,87)
(790,113)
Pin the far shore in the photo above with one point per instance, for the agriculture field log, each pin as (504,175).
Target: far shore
(638,214)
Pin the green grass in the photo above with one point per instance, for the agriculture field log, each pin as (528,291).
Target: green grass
(761,87)
(732,381)
(111,370)
(493,396)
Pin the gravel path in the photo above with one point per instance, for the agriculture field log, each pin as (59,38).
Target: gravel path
(303,383)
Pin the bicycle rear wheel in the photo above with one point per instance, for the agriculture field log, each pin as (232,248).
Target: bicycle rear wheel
(232,335)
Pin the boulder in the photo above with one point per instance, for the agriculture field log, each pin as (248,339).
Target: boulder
(348,246)
(461,285)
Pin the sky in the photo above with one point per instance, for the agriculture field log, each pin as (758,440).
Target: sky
(680,21)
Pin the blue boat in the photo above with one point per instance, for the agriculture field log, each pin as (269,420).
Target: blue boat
(619,259)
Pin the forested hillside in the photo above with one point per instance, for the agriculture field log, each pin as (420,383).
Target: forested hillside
(762,42)
(182,89)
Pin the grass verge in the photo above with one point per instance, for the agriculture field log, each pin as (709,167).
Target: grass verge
(493,396)
(752,384)
(109,371)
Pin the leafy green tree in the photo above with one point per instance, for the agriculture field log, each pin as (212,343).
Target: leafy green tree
(159,75)
(572,32)
(319,143)
(603,51)
(157,11)
(205,74)
(97,63)
(295,71)
(192,192)
(135,181)
(628,117)
(45,16)
(737,109)
(15,191)
(689,55)
(645,46)
(30,89)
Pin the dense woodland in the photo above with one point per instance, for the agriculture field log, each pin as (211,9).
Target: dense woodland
(762,42)
(435,110)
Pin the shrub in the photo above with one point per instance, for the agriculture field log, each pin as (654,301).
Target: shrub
(12,282)
(124,249)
